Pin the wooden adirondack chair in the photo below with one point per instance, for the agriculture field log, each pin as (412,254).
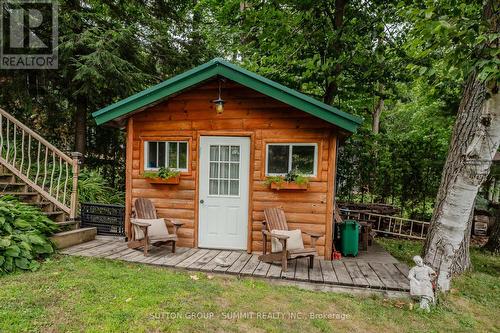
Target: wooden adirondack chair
(145,209)
(276,220)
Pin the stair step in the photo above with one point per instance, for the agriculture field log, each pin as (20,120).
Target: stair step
(57,212)
(4,186)
(64,223)
(20,193)
(73,237)
(40,204)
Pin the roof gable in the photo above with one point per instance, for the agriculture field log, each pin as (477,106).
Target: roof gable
(235,73)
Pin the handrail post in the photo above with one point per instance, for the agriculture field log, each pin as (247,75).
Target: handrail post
(74,190)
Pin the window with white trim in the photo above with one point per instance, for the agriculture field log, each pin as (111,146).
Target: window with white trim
(172,154)
(281,158)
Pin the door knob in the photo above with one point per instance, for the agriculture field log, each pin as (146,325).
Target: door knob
(202,201)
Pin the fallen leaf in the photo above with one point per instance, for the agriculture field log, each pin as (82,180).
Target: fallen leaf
(128,300)
(194,277)
(210,277)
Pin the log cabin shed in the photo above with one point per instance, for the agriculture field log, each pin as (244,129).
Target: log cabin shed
(225,157)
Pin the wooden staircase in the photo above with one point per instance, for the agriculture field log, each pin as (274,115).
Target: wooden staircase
(38,174)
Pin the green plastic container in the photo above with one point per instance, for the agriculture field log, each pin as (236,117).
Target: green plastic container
(349,238)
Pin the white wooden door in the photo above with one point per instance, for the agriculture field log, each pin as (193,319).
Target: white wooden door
(223,192)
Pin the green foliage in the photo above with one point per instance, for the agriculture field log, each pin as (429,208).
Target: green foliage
(402,164)
(455,32)
(163,173)
(23,236)
(274,180)
(291,177)
(92,187)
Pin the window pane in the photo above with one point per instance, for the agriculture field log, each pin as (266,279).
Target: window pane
(224,153)
(224,187)
(235,171)
(213,187)
(214,170)
(214,153)
(172,154)
(234,187)
(161,154)
(183,155)
(152,154)
(235,153)
(303,159)
(224,170)
(277,159)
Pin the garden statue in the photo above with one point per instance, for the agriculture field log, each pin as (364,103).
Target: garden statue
(421,277)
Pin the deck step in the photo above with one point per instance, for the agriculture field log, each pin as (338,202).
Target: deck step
(55,213)
(12,184)
(73,237)
(68,222)
(19,193)
(12,187)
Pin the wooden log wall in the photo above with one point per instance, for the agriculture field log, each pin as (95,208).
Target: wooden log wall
(191,114)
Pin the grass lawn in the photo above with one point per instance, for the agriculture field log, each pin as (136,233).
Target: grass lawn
(97,295)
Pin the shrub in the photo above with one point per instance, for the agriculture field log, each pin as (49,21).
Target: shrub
(92,187)
(24,232)
(163,173)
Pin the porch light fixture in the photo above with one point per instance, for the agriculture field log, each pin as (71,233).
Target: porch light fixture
(219,102)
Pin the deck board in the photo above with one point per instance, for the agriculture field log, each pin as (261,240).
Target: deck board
(384,275)
(396,275)
(212,264)
(192,258)
(403,268)
(274,271)
(290,272)
(315,274)
(230,261)
(81,247)
(174,260)
(251,265)
(327,271)
(342,273)
(354,273)
(302,269)
(205,259)
(357,277)
(262,269)
(370,276)
(238,263)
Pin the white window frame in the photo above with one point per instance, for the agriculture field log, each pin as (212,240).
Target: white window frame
(146,154)
(290,145)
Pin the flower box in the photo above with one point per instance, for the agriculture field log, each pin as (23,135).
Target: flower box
(172,180)
(286,186)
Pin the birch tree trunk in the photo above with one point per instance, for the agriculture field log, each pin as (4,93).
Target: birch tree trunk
(475,140)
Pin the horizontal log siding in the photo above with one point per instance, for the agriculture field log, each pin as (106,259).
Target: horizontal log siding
(192,114)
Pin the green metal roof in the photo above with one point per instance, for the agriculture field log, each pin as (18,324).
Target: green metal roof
(235,73)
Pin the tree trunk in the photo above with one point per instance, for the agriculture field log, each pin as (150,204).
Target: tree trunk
(81,126)
(493,243)
(337,22)
(377,111)
(475,140)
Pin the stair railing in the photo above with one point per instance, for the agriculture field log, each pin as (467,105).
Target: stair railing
(50,172)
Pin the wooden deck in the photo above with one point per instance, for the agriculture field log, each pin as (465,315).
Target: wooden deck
(349,272)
